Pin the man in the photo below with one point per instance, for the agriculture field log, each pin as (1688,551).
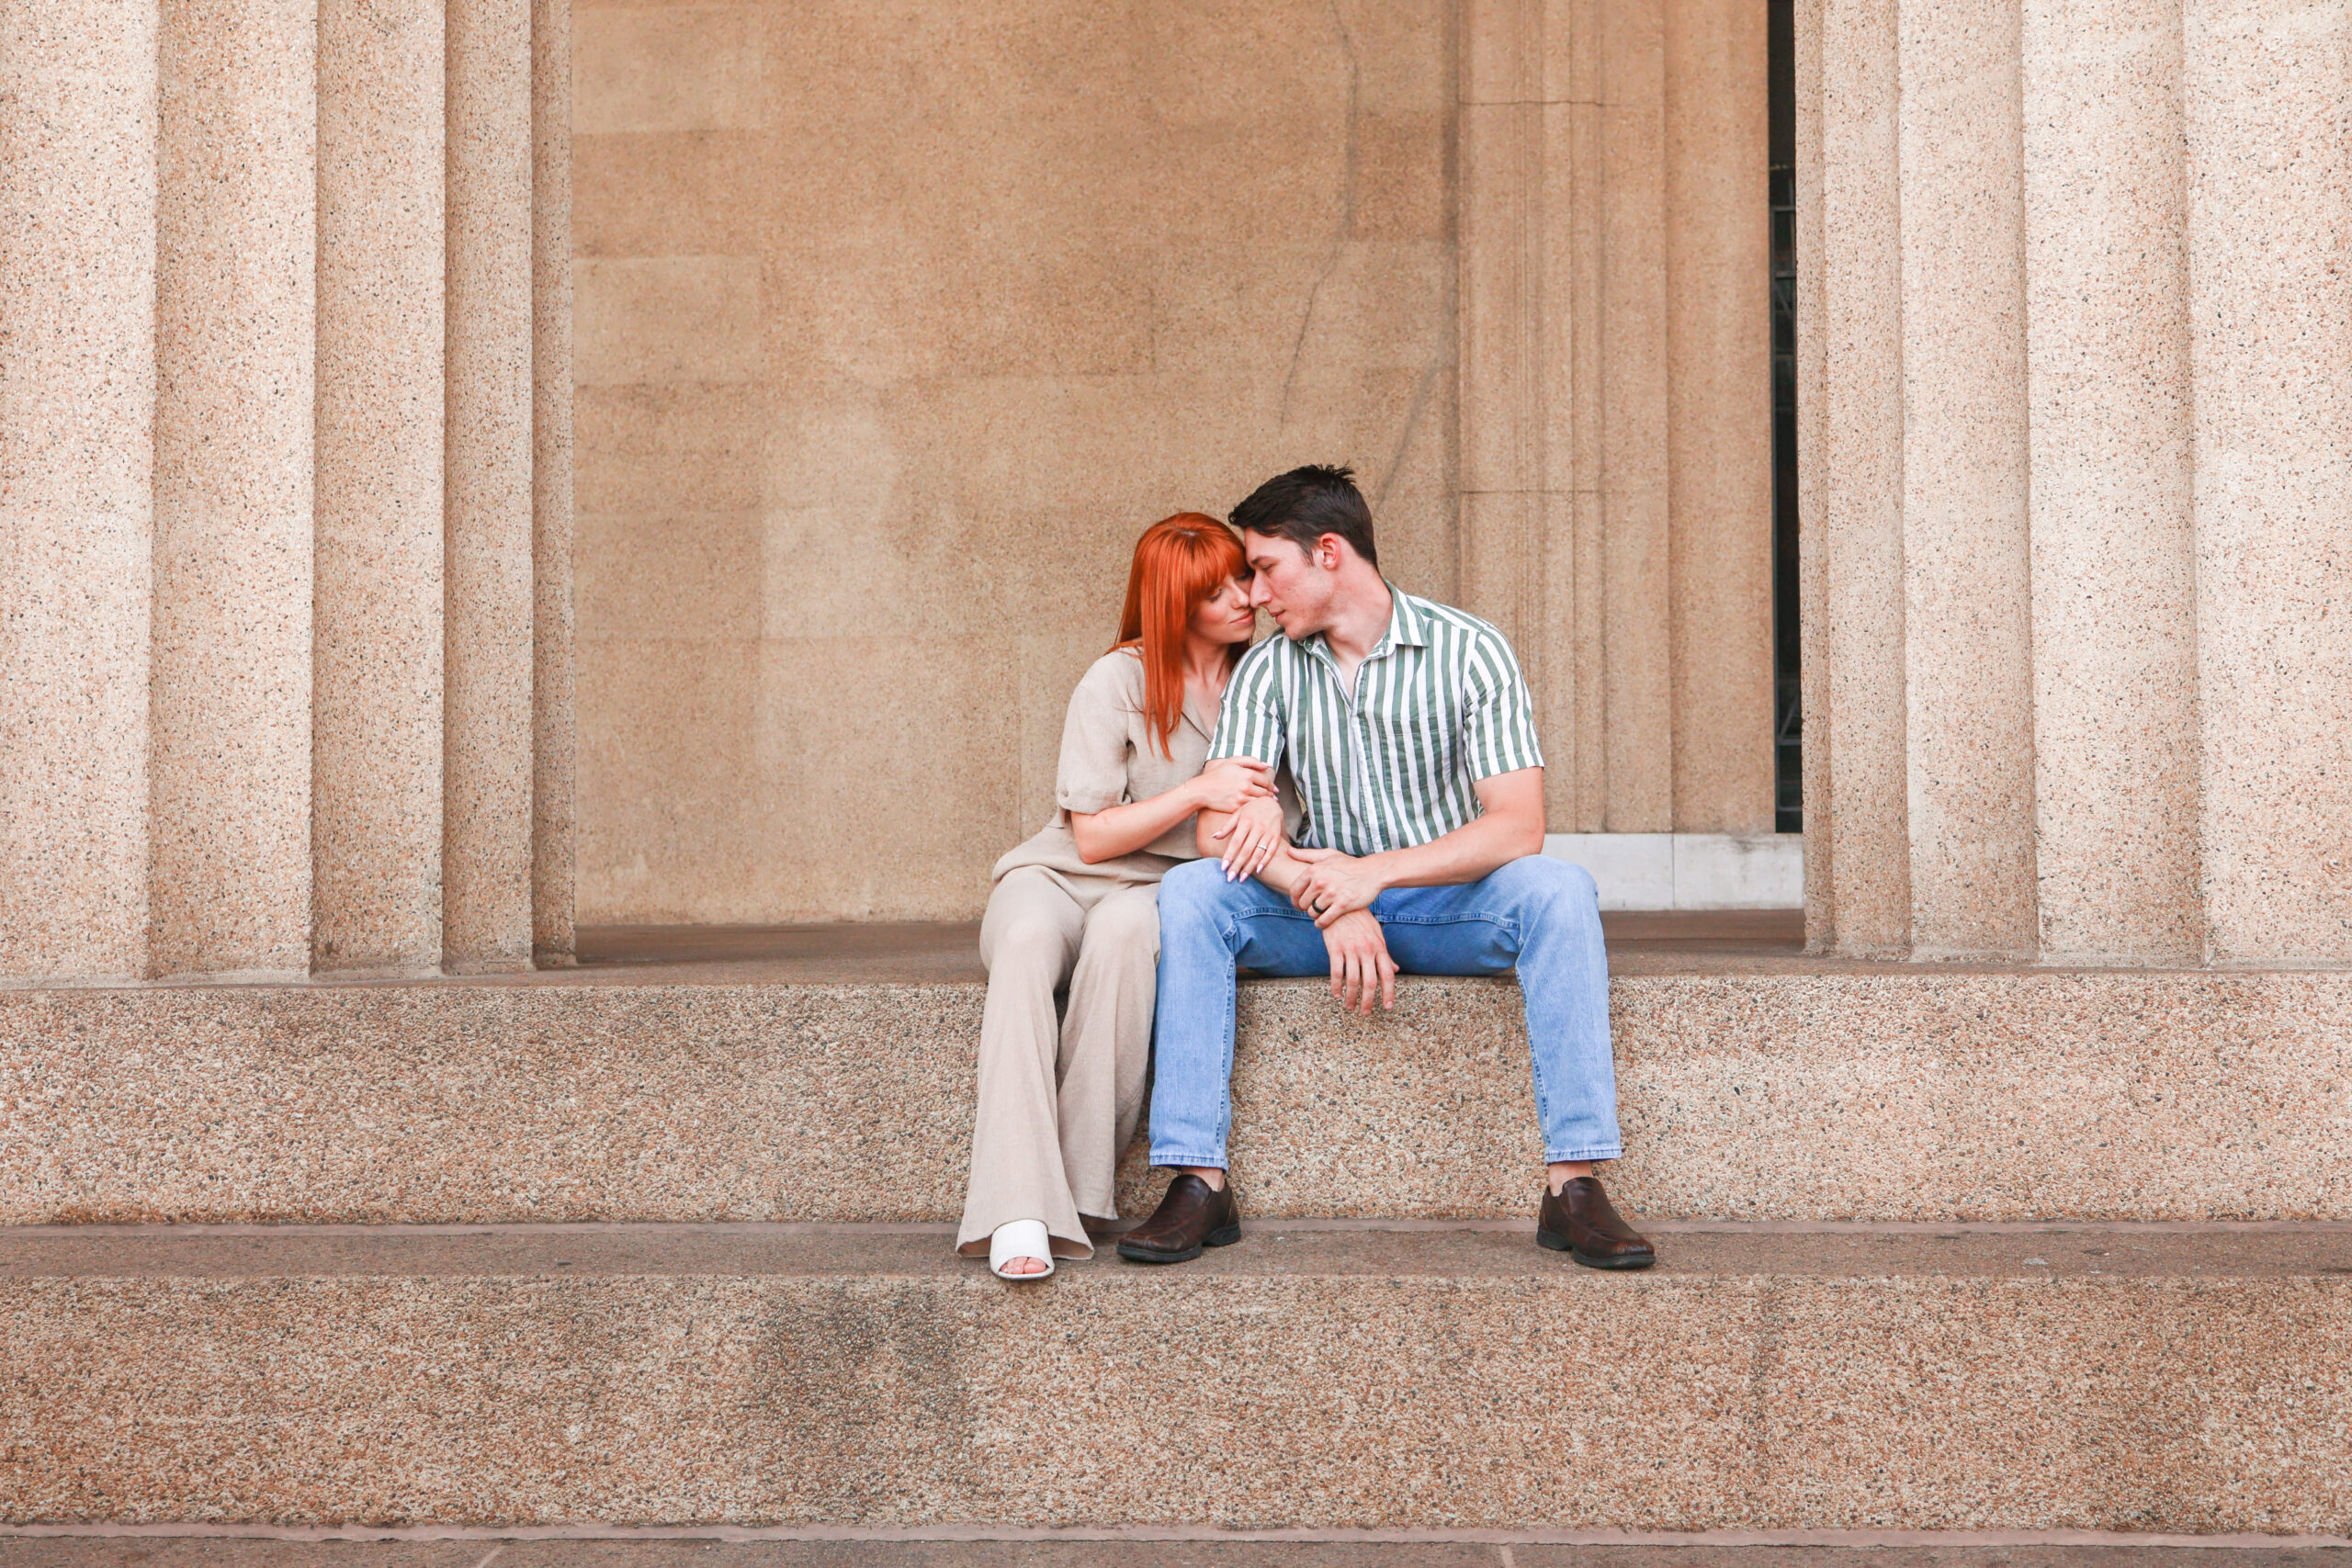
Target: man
(1411,738)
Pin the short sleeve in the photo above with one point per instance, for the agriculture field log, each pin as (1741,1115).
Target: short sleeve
(1250,721)
(1498,721)
(1092,775)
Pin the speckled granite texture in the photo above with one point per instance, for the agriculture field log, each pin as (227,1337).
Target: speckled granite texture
(1355,1379)
(378,590)
(1965,472)
(1918,1096)
(184,1553)
(2109,388)
(489,644)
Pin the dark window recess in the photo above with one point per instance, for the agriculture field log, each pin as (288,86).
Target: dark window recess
(1788,708)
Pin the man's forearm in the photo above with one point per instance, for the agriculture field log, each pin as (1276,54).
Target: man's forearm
(1471,851)
(1282,872)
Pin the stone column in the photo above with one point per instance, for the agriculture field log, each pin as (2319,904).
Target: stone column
(2114,577)
(230,786)
(1813,447)
(1574,322)
(487,717)
(1917,464)
(377,737)
(2113,495)
(1637,614)
(1968,662)
(274,438)
(1855,461)
(1600,307)
(2267,95)
(552,744)
(1516,563)
(1718,423)
(77,405)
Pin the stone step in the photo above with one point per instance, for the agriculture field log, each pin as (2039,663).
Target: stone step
(1787,1092)
(2094,1377)
(1194,1549)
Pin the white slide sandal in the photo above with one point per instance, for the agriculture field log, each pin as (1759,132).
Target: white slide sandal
(1020,1238)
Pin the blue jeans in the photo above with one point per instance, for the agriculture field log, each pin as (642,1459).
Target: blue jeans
(1539,916)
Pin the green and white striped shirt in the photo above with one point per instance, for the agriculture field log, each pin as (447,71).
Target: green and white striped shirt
(1438,705)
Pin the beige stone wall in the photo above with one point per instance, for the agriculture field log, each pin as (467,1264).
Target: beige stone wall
(1616,421)
(898,324)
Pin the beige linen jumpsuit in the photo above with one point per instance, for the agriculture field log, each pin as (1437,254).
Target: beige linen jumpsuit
(1058,1099)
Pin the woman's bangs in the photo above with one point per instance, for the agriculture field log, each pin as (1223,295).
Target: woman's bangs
(1210,557)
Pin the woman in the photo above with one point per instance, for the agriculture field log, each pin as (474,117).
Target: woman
(1078,905)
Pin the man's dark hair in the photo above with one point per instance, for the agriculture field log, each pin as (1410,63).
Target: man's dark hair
(1306,503)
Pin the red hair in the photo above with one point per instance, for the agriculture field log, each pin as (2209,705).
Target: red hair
(1179,564)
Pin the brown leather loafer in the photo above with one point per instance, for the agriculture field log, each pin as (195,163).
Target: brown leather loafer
(1580,1220)
(1193,1215)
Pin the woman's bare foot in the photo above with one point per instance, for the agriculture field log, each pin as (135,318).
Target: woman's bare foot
(1022,1266)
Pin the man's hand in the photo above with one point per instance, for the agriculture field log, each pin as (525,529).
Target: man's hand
(1335,885)
(1361,967)
(1251,837)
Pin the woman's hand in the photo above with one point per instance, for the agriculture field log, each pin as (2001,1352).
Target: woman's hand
(1251,837)
(1229,783)
(1335,885)
(1224,785)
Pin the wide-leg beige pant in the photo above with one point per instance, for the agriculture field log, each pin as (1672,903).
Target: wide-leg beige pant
(1059,1100)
